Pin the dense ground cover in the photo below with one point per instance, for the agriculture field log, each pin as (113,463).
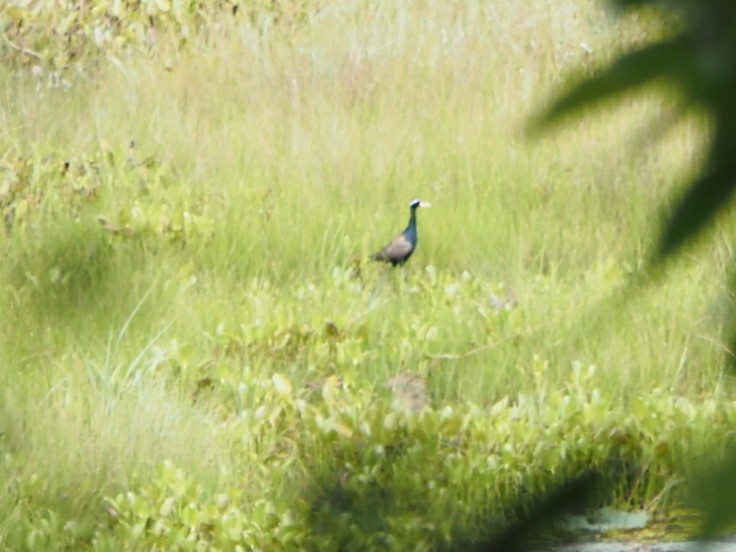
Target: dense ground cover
(194,351)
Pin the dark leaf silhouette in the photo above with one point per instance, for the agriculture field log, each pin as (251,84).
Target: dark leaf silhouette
(571,495)
(698,60)
(704,199)
(631,71)
(713,493)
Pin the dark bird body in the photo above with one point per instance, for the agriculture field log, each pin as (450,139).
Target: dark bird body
(398,251)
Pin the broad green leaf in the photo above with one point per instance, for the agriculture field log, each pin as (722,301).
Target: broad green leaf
(282,384)
(606,519)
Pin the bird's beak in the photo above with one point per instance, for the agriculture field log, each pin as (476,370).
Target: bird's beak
(425,204)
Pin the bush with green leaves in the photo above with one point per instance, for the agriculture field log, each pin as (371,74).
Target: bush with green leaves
(58,42)
(356,472)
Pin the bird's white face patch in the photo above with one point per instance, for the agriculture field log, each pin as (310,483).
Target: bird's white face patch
(419,203)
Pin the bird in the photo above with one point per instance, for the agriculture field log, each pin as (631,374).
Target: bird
(398,251)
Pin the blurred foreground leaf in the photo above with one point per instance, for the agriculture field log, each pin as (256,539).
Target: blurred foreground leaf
(699,61)
(570,495)
(713,493)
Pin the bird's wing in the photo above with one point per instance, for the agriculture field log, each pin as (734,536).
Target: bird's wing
(398,248)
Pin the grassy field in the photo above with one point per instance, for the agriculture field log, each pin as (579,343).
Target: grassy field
(194,350)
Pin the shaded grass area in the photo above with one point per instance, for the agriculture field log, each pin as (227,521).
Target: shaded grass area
(193,347)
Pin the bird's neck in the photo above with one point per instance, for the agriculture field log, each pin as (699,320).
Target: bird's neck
(411,228)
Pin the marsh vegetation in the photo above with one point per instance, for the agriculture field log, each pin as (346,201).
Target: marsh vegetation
(195,352)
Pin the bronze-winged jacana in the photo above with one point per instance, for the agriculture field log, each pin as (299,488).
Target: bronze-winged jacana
(398,251)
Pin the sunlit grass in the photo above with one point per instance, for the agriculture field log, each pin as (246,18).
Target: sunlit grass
(265,168)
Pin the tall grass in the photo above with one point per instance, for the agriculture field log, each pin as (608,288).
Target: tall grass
(293,152)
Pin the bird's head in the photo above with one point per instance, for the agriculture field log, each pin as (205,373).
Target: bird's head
(418,203)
